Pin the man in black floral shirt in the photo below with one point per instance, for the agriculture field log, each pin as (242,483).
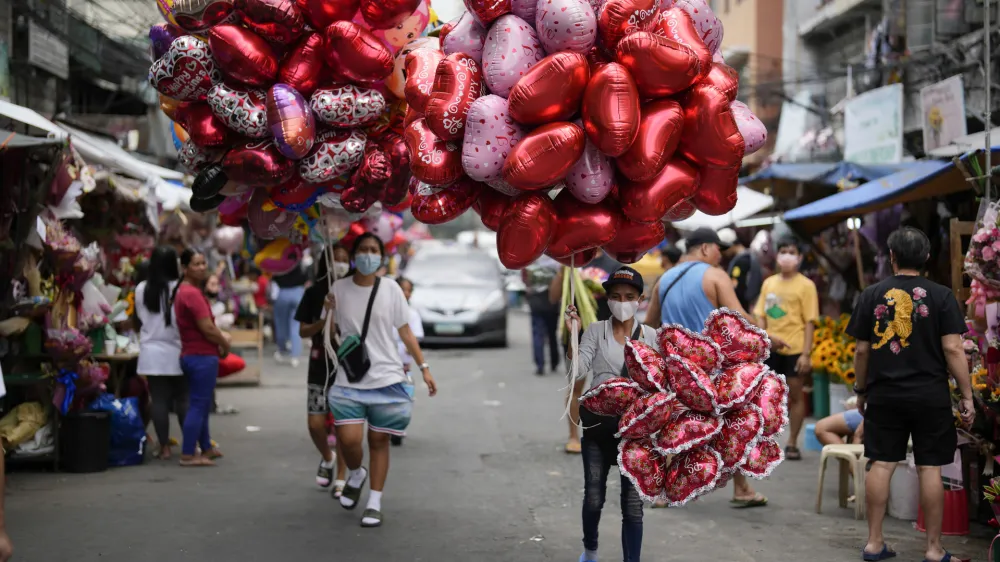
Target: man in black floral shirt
(909,333)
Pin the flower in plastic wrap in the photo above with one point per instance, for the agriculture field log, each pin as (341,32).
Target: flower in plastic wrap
(64,248)
(67,346)
(982,261)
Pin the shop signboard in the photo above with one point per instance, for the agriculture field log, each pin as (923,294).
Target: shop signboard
(942,112)
(873,126)
(46,51)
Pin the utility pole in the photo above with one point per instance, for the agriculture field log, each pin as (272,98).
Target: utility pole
(988,62)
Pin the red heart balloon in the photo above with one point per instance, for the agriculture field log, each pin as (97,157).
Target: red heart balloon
(334,154)
(368,181)
(385,14)
(205,129)
(193,158)
(612,397)
(322,13)
(646,366)
(445,30)
(295,195)
(741,429)
(620,18)
(611,109)
(687,430)
(661,66)
(660,126)
(647,415)
(356,199)
(544,155)
(643,466)
(492,208)
(436,205)
(551,90)
(485,11)
(186,72)
(581,226)
(278,21)
(699,349)
(433,161)
(634,239)
(765,456)
(693,386)
(242,55)
(421,68)
(739,340)
(258,163)
(397,186)
(347,106)
(711,137)
(526,230)
(725,78)
(243,111)
(682,210)
(677,24)
(303,65)
(402,206)
(736,384)
(717,192)
(356,53)
(648,201)
(579,259)
(692,474)
(198,16)
(458,81)
(771,397)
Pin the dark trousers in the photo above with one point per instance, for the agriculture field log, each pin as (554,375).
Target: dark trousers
(168,393)
(543,327)
(600,453)
(201,371)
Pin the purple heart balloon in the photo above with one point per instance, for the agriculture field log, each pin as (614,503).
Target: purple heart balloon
(466,36)
(490,134)
(291,121)
(512,48)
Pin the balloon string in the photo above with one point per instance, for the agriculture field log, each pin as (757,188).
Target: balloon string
(328,326)
(574,346)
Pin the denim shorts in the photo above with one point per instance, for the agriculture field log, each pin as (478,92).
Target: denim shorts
(387,409)
(853,419)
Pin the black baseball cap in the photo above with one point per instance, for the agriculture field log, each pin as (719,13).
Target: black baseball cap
(705,236)
(624,276)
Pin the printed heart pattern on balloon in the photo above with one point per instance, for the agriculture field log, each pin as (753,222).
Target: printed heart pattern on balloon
(612,397)
(347,106)
(740,431)
(692,474)
(334,154)
(686,431)
(643,466)
(699,349)
(242,111)
(186,72)
(740,341)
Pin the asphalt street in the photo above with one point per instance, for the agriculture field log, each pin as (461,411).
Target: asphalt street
(482,476)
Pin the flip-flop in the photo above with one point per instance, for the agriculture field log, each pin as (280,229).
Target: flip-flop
(793,454)
(573,448)
(947,558)
(756,501)
(885,554)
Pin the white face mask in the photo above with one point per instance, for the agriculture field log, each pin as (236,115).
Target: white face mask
(623,310)
(340,269)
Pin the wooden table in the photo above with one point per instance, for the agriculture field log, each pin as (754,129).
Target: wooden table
(118,364)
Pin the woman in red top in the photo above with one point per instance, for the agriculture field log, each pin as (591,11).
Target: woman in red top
(202,343)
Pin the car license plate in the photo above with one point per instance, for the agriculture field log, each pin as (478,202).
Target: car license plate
(449,329)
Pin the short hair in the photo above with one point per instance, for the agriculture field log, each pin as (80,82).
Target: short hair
(673,253)
(910,248)
(786,242)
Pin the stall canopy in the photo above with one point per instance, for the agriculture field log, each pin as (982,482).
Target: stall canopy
(920,180)
(827,173)
(32,118)
(748,204)
(17,140)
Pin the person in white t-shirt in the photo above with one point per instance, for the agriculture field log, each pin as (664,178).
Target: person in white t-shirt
(417,327)
(160,344)
(379,398)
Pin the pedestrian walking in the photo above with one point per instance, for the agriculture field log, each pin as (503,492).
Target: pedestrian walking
(909,339)
(687,295)
(602,354)
(544,313)
(202,343)
(787,307)
(311,316)
(369,311)
(160,344)
(291,286)
(417,327)
(744,269)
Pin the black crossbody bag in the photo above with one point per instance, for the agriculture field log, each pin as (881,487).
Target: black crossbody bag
(352,355)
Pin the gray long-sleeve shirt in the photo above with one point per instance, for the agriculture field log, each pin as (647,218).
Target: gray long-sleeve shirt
(602,356)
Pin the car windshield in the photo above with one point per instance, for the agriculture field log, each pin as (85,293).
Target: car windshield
(453,270)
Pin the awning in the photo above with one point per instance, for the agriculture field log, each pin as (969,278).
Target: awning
(921,180)
(103,151)
(32,118)
(173,194)
(17,140)
(961,145)
(825,173)
(748,204)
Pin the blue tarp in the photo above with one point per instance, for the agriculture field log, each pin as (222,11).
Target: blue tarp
(827,173)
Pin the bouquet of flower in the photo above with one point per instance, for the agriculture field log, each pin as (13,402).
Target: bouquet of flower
(833,350)
(64,248)
(982,261)
(67,346)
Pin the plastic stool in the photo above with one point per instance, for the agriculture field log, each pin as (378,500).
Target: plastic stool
(956,514)
(811,443)
(852,460)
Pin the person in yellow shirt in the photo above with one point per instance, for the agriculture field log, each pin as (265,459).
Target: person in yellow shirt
(787,306)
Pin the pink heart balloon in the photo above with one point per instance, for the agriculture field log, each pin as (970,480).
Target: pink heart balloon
(740,431)
(512,48)
(490,134)
(771,397)
(686,431)
(566,25)
(466,36)
(736,384)
(646,366)
(740,341)
(646,416)
(705,21)
(697,348)
(591,178)
(765,456)
(643,466)
(692,474)
(753,130)
(694,388)
(612,397)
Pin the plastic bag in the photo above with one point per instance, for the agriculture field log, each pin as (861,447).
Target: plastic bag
(128,433)
(94,309)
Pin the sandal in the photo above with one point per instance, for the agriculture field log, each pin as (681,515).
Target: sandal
(352,494)
(196,461)
(338,490)
(371,518)
(573,448)
(756,501)
(885,554)
(213,453)
(792,454)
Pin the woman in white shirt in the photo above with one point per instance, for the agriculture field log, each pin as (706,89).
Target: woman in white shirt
(160,344)
(379,398)
(417,327)
(602,353)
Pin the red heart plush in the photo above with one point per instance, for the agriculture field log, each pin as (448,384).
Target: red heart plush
(436,205)
(646,416)
(612,397)
(243,111)
(643,466)
(693,386)
(646,366)
(692,474)
(740,341)
(736,384)
(686,431)
(186,72)
(763,458)
(771,397)
(697,348)
(740,431)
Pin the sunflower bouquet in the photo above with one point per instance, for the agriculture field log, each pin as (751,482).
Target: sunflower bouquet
(833,350)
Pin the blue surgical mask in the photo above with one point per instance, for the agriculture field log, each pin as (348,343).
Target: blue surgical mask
(367,264)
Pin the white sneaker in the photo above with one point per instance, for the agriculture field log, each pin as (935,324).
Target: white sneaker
(295,363)
(279,357)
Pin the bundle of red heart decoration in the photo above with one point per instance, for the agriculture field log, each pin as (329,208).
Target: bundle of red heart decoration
(283,102)
(572,125)
(697,413)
